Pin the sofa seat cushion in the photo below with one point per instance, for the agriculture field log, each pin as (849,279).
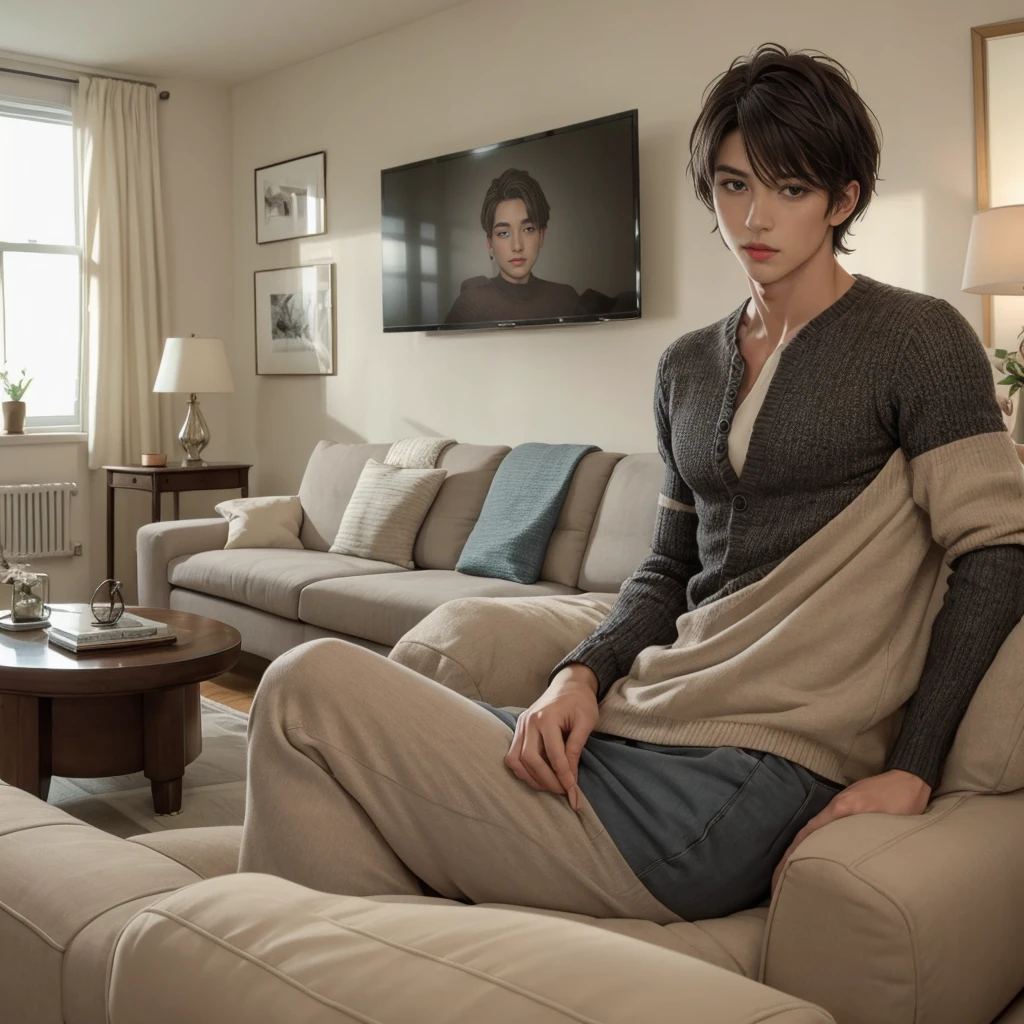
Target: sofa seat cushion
(383,608)
(269,579)
(292,954)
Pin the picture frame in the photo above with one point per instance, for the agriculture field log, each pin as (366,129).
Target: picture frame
(291,198)
(294,319)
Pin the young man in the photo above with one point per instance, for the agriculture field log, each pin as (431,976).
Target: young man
(514,216)
(790,651)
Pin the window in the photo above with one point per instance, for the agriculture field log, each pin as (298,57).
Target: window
(40,260)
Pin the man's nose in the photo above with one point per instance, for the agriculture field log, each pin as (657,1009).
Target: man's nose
(759,214)
(517,241)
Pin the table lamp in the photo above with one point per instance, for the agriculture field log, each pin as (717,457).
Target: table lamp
(191,365)
(995,261)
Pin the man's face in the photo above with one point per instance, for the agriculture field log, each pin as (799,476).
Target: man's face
(515,241)
(788,216)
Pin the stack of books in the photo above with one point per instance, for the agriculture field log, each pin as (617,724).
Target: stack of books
(73,629)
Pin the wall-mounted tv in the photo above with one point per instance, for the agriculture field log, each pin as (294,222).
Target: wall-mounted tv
(539,230)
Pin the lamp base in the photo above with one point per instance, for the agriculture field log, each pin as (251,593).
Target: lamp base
(194,435)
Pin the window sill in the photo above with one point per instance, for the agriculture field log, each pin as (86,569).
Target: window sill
(42,437)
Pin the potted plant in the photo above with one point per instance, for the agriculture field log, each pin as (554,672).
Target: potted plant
(14,407)
(1014,370)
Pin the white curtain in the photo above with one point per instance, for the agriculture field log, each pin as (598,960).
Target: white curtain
(122,231)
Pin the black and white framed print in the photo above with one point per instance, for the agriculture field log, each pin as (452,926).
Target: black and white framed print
(291,198)
(295,320)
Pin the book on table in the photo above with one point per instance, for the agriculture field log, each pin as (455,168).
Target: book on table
(74,629)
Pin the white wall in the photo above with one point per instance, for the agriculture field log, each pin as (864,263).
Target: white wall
(479,73)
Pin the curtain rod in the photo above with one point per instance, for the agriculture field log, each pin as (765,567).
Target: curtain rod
(74,81)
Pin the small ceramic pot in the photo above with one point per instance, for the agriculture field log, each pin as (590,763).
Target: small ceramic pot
(14,417)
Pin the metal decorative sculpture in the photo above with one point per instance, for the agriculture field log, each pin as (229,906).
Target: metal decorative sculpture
(107,614)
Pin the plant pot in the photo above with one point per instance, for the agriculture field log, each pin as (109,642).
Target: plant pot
(14,417)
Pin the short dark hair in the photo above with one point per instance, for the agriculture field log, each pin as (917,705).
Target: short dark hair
(513,184)
(800,117)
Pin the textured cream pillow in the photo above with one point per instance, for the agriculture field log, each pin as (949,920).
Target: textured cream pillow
(268,522)
(385,512)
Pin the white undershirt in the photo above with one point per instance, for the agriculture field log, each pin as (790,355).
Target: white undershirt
(743,420)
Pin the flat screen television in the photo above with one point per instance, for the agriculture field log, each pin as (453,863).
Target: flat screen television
(563,246)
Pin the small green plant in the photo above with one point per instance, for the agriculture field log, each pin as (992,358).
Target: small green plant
(15,389)
(1015,368)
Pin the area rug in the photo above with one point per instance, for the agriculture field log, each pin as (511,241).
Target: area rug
(213,788)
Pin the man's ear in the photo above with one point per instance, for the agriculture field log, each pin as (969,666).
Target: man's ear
(846,205)
(543,232)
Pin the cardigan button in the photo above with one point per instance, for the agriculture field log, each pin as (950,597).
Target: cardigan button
(720,447)
(731,393)
(739,503)
(723,426)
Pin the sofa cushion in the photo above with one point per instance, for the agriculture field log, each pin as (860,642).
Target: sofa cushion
(65,890)
(292,954)
(624,525)
(385,513)
(327,484)
(383,608)
(569,538)
(271,521)
(266,578)
(450,521)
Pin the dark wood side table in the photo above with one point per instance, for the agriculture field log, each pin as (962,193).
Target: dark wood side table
(109,712)
(158,480)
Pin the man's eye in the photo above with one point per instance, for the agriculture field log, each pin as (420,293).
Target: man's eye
(727,185)
(795,190)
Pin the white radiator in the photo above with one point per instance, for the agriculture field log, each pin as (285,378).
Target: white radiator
(35,520)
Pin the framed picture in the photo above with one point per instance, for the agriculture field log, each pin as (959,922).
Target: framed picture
(295,320)
(291,199)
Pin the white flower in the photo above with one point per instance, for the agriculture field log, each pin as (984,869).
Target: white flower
(17,573)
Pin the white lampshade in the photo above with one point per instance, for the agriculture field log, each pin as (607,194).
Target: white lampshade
(995,252)
(194,365)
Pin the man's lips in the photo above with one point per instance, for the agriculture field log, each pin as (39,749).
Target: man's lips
(757,247)
(518,260)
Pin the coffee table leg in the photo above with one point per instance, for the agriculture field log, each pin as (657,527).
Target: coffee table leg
(163,751)
(25,746)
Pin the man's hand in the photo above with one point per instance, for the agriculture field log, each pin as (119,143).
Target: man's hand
(893,792)
(550,734)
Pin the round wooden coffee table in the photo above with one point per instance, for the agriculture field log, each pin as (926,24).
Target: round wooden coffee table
(109,712)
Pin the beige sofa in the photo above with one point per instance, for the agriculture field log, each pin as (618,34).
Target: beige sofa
(278,598)
(877,918)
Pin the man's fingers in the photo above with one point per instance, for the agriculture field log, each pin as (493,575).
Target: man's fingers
(555,748)
(533,759)
(513,759)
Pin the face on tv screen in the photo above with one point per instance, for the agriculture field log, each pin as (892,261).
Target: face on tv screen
(539,231)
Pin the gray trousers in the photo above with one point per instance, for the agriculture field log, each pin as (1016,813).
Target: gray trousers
(702,827)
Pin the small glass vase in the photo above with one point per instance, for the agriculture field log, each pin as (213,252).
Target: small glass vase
(29,600)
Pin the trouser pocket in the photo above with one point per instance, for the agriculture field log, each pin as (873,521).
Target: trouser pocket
(728,865)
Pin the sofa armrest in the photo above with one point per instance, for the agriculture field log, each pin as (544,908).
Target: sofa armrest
(157,543)
(262,949)
(905,918)
(500,649)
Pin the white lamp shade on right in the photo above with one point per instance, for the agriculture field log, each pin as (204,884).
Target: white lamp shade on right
(995,252)
(194,365)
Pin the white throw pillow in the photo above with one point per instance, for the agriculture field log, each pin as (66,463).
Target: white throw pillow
(385,513)
(268,522)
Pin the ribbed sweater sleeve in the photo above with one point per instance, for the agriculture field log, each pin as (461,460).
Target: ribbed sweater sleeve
(651,600)
(985,600)
(943,393)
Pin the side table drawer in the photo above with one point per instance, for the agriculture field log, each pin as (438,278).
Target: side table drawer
(140,482)
(208,480)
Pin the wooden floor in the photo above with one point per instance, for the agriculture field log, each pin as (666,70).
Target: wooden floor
(235,688)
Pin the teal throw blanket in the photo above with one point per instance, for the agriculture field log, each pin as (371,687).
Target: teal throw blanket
(526,495)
